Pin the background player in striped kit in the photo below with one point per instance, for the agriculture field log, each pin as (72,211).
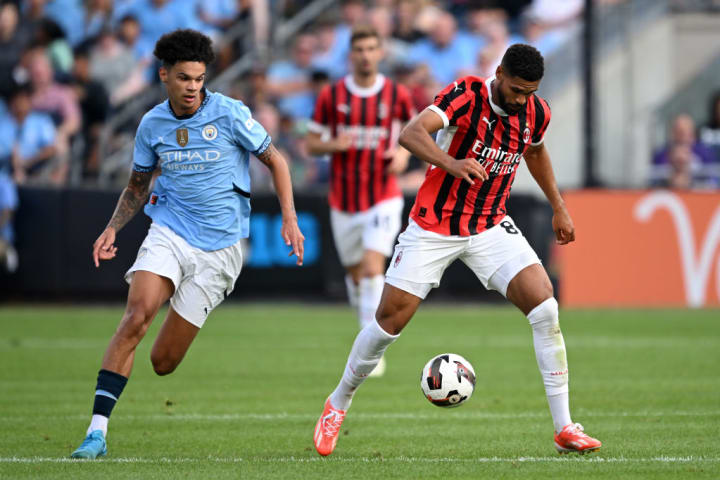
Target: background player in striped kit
(485,127)
(354,121)
(200,207)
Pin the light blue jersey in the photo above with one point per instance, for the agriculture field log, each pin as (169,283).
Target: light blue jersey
(203,193)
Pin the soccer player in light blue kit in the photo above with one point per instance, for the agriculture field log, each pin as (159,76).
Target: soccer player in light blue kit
(200,208)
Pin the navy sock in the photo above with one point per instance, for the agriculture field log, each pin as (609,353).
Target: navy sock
(109,387)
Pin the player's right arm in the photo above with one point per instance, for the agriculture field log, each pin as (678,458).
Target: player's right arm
(131,200)
(416,137)
(319,146)
(319,140)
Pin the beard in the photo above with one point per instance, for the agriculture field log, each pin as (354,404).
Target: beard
(509,108)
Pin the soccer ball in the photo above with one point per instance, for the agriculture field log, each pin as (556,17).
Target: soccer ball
(447,380)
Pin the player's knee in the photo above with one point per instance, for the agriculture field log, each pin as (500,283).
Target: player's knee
(392,318)
(162,365)
(135,322)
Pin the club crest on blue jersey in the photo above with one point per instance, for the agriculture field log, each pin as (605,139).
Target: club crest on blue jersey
(209,132)
(181,134)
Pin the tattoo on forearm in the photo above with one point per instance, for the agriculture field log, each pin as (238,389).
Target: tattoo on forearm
(132,199)
(269,152)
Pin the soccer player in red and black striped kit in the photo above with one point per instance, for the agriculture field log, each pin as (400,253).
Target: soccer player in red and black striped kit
(485,128)
(354,121)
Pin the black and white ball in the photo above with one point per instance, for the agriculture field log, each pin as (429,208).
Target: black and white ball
(448,380)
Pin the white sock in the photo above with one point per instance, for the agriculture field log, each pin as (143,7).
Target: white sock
(98,422)
(352,291)
(551,359)
(369,294)
(369,347)
(560,410)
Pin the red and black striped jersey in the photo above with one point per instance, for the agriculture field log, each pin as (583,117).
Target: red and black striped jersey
(476,127)
(358,177)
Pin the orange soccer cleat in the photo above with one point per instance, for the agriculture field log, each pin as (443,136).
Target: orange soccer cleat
(327,429)
(572,439)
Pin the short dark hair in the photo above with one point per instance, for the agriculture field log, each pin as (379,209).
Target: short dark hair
(184,45)
(364,31)
(524,61)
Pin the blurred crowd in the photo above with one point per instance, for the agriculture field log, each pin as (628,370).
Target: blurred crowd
(691,157)
(69,65)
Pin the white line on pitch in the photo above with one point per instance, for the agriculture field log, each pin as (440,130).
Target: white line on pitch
(661,459)
(374,416)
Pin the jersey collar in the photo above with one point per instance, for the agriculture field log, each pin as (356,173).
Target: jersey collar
(205,92)
(496,108)
(359,91)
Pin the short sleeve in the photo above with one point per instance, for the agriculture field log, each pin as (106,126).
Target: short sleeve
(47,131)
(542,120)
(452,99)
(247,132)
(405,108)
(321,117)
(8,193)
(144,157)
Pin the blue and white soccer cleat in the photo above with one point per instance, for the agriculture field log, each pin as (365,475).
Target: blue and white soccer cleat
(92,447)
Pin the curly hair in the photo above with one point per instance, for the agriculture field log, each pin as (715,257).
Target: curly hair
(523,61)
(184,45)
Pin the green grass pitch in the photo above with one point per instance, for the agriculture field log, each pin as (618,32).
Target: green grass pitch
(244,402)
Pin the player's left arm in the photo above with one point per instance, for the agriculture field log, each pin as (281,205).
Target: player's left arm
(283,186)
(538,162)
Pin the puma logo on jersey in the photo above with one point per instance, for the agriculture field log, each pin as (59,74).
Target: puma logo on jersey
(489,123)
(343,108)
(457,87)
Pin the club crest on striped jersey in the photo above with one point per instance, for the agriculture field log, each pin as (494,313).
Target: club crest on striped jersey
(181,135)
(526,135)
(209,132)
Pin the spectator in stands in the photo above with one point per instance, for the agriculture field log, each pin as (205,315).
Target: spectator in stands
(14,37)
(113,65)
(535,33)
(98,17)
(289,80)
(444,53)
(498,40)
(405,28)
(95,108)
(60,103)
(219,14)
(69,16)
(8,205)
(396,50)
(50,36)
(32,14)
(684,172)
(702,159)
(710,133)
(558,14)
(252,88)
(329,57)
(128,33)
(157,17)
(683,133)
(27,140)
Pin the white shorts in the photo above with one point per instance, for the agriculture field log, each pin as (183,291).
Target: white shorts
(202,279)
(495,256)
(374,229)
